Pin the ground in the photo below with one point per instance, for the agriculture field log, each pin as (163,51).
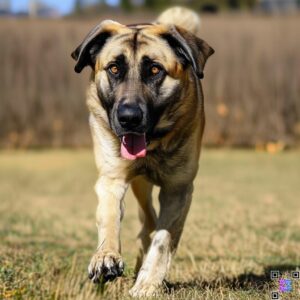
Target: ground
(243,223)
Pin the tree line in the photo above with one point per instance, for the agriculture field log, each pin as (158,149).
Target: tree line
(208,5)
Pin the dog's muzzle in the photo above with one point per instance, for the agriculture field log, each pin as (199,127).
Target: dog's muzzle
(133,141)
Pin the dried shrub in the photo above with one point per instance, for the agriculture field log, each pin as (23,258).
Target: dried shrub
(251,86)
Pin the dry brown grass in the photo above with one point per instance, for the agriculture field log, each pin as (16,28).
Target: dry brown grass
(252,86)
(244,222)
(252,82)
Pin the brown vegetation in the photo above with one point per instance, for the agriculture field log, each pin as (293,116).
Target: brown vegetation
(251,86)
(243,223)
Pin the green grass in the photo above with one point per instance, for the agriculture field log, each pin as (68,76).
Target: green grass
(244,222)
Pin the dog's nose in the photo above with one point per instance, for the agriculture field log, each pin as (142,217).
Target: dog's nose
(129,115)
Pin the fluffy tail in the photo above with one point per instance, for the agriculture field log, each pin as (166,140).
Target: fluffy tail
(182,17)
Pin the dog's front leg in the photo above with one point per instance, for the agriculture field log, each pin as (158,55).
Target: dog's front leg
(107,262)
(174,206)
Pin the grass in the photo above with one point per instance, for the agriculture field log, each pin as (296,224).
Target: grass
(244,222)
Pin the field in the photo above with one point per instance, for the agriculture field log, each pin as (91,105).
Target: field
(244,222)
(251,83)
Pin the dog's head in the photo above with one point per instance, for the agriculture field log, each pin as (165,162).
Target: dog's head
(141,72)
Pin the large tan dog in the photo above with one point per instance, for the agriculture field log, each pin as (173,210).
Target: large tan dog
(147,119)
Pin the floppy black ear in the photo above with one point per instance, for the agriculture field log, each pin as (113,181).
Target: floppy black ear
(189,48)
(85,54)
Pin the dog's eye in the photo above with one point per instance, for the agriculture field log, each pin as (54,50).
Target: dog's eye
(114,69)
(155,70)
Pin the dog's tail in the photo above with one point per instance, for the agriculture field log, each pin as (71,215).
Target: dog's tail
(182,17)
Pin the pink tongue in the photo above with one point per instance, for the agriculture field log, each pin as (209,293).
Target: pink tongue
(133,146)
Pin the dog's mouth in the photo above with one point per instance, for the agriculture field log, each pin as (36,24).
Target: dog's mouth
(133,146)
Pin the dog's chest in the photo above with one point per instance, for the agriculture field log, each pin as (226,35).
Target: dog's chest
(158,168)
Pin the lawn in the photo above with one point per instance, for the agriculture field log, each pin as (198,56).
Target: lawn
(243,223)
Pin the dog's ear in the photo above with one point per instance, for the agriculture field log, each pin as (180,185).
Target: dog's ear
(189,48)
(85,54)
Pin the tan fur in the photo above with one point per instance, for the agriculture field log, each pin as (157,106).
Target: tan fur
(171,162)
(182,17)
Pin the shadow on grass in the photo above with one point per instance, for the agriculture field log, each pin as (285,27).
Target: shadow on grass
(247,281)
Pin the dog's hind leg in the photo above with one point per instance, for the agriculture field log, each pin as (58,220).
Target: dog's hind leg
(175,203)
(142,190)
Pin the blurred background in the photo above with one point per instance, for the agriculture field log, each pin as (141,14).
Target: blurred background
(251,84)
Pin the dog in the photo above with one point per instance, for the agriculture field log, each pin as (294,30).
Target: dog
(147,119)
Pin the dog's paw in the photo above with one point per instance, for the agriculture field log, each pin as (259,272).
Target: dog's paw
(106,266)
(145,286)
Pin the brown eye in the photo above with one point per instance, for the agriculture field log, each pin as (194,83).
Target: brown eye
(114,69)
(155,70)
